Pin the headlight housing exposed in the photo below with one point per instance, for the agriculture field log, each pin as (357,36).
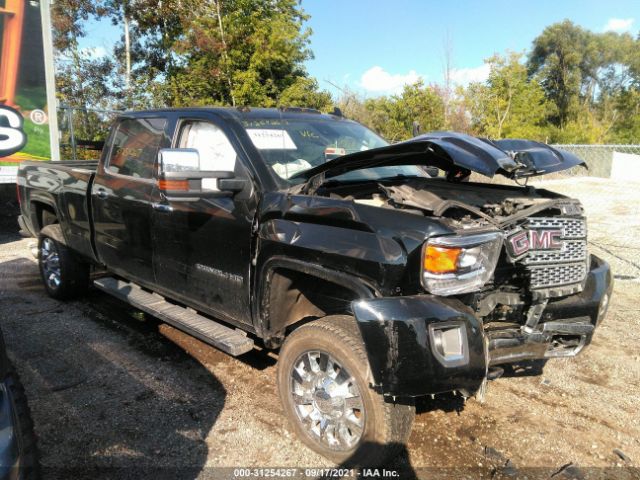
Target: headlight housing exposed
(459,264)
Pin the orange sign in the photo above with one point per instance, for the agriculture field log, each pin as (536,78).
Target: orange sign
(24,122)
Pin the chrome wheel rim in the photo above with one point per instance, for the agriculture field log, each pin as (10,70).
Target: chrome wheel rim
(50,261)
(327,401)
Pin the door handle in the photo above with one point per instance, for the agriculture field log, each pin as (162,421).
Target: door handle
(162,207)
(102,193)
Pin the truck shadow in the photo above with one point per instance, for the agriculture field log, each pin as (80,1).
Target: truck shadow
(446,402)
(101,307)
(112,397)
(9,210)
(398,466)
(527,368)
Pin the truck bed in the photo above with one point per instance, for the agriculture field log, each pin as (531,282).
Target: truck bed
(89,165)
(60,187)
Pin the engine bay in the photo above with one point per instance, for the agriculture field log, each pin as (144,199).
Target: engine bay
(463,204)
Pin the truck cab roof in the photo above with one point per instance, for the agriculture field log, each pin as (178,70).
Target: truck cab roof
(248,113)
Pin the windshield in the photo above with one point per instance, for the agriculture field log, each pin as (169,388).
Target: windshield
(291,146)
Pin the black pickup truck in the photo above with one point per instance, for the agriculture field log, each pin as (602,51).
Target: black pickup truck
(378,272)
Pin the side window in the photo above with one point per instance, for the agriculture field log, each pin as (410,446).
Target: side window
(215,150)
(136,142)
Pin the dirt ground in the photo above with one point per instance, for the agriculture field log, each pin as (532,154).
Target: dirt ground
(115,394)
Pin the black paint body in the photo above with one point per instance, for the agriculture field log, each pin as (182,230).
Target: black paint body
(219,254)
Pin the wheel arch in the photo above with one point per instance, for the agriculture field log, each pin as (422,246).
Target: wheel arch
(37,208)
(293,292)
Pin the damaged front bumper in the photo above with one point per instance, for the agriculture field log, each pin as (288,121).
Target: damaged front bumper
(422,344)
(425,344)
(566,326)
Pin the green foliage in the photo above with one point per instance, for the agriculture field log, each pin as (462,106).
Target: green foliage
(188,52)
(576,86)
(393,116)
(627,127)
(508,104)
(592,79)
(560,56)
(239,52)
(305,92)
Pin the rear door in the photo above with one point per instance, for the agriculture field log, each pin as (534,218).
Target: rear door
(122,196)
(202,247)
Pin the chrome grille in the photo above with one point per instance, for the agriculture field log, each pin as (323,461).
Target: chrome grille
(571,227)
(572,251)
(549,269)
(554,276)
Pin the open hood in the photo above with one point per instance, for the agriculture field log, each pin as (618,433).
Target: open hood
(448,150)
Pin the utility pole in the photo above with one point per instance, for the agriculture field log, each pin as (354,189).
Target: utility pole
(127,50)
(50,79)
(224,51)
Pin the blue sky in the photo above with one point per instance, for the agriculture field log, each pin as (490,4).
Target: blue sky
(375,47)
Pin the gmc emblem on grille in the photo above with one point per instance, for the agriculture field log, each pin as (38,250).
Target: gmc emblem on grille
(525,240)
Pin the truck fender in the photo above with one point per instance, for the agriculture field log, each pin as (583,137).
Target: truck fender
(270,327)
(55,232)
(41,198)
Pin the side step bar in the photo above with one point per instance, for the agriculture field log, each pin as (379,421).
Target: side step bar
(234,342)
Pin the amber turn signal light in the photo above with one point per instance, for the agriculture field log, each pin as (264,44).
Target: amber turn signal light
(441,259)
(173,185)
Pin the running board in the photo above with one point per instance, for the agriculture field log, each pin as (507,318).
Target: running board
(234,342)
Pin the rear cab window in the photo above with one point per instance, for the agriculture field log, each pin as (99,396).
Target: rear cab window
(135,146)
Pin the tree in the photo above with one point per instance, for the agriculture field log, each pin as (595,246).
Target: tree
(393,116)
(627,126)
(198,52)
(249,51)
(508,104)
(578,68)
(560,57)
(305,92)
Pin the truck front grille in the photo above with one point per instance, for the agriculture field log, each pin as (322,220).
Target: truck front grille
(557,275)
(572,251)
(550,269)
(571,227)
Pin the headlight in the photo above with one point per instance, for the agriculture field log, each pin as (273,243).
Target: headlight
(459,264)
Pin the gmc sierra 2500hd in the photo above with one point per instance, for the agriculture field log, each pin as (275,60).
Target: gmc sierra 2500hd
(377,271)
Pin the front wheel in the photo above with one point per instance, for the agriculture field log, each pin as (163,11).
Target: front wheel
(323,381)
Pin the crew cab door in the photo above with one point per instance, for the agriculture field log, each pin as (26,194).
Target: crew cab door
(121,197)
(202,246)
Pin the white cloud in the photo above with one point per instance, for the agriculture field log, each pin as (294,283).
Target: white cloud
(619,25)
(464,76)
(378,80)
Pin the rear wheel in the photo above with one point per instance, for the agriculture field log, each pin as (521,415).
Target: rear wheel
(323,381)
(63,274)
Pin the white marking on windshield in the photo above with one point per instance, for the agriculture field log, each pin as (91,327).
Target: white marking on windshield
(271,139)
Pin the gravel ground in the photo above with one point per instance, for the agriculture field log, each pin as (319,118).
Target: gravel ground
(113,393)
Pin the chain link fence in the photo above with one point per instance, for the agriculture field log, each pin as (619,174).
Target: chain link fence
(617,162)
(621,162)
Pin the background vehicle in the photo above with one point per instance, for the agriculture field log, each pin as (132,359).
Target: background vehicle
(307,232)
(18,451)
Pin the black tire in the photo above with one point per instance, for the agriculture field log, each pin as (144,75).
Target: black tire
(48,218)
(72,274)
(29,465)
(386,425)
